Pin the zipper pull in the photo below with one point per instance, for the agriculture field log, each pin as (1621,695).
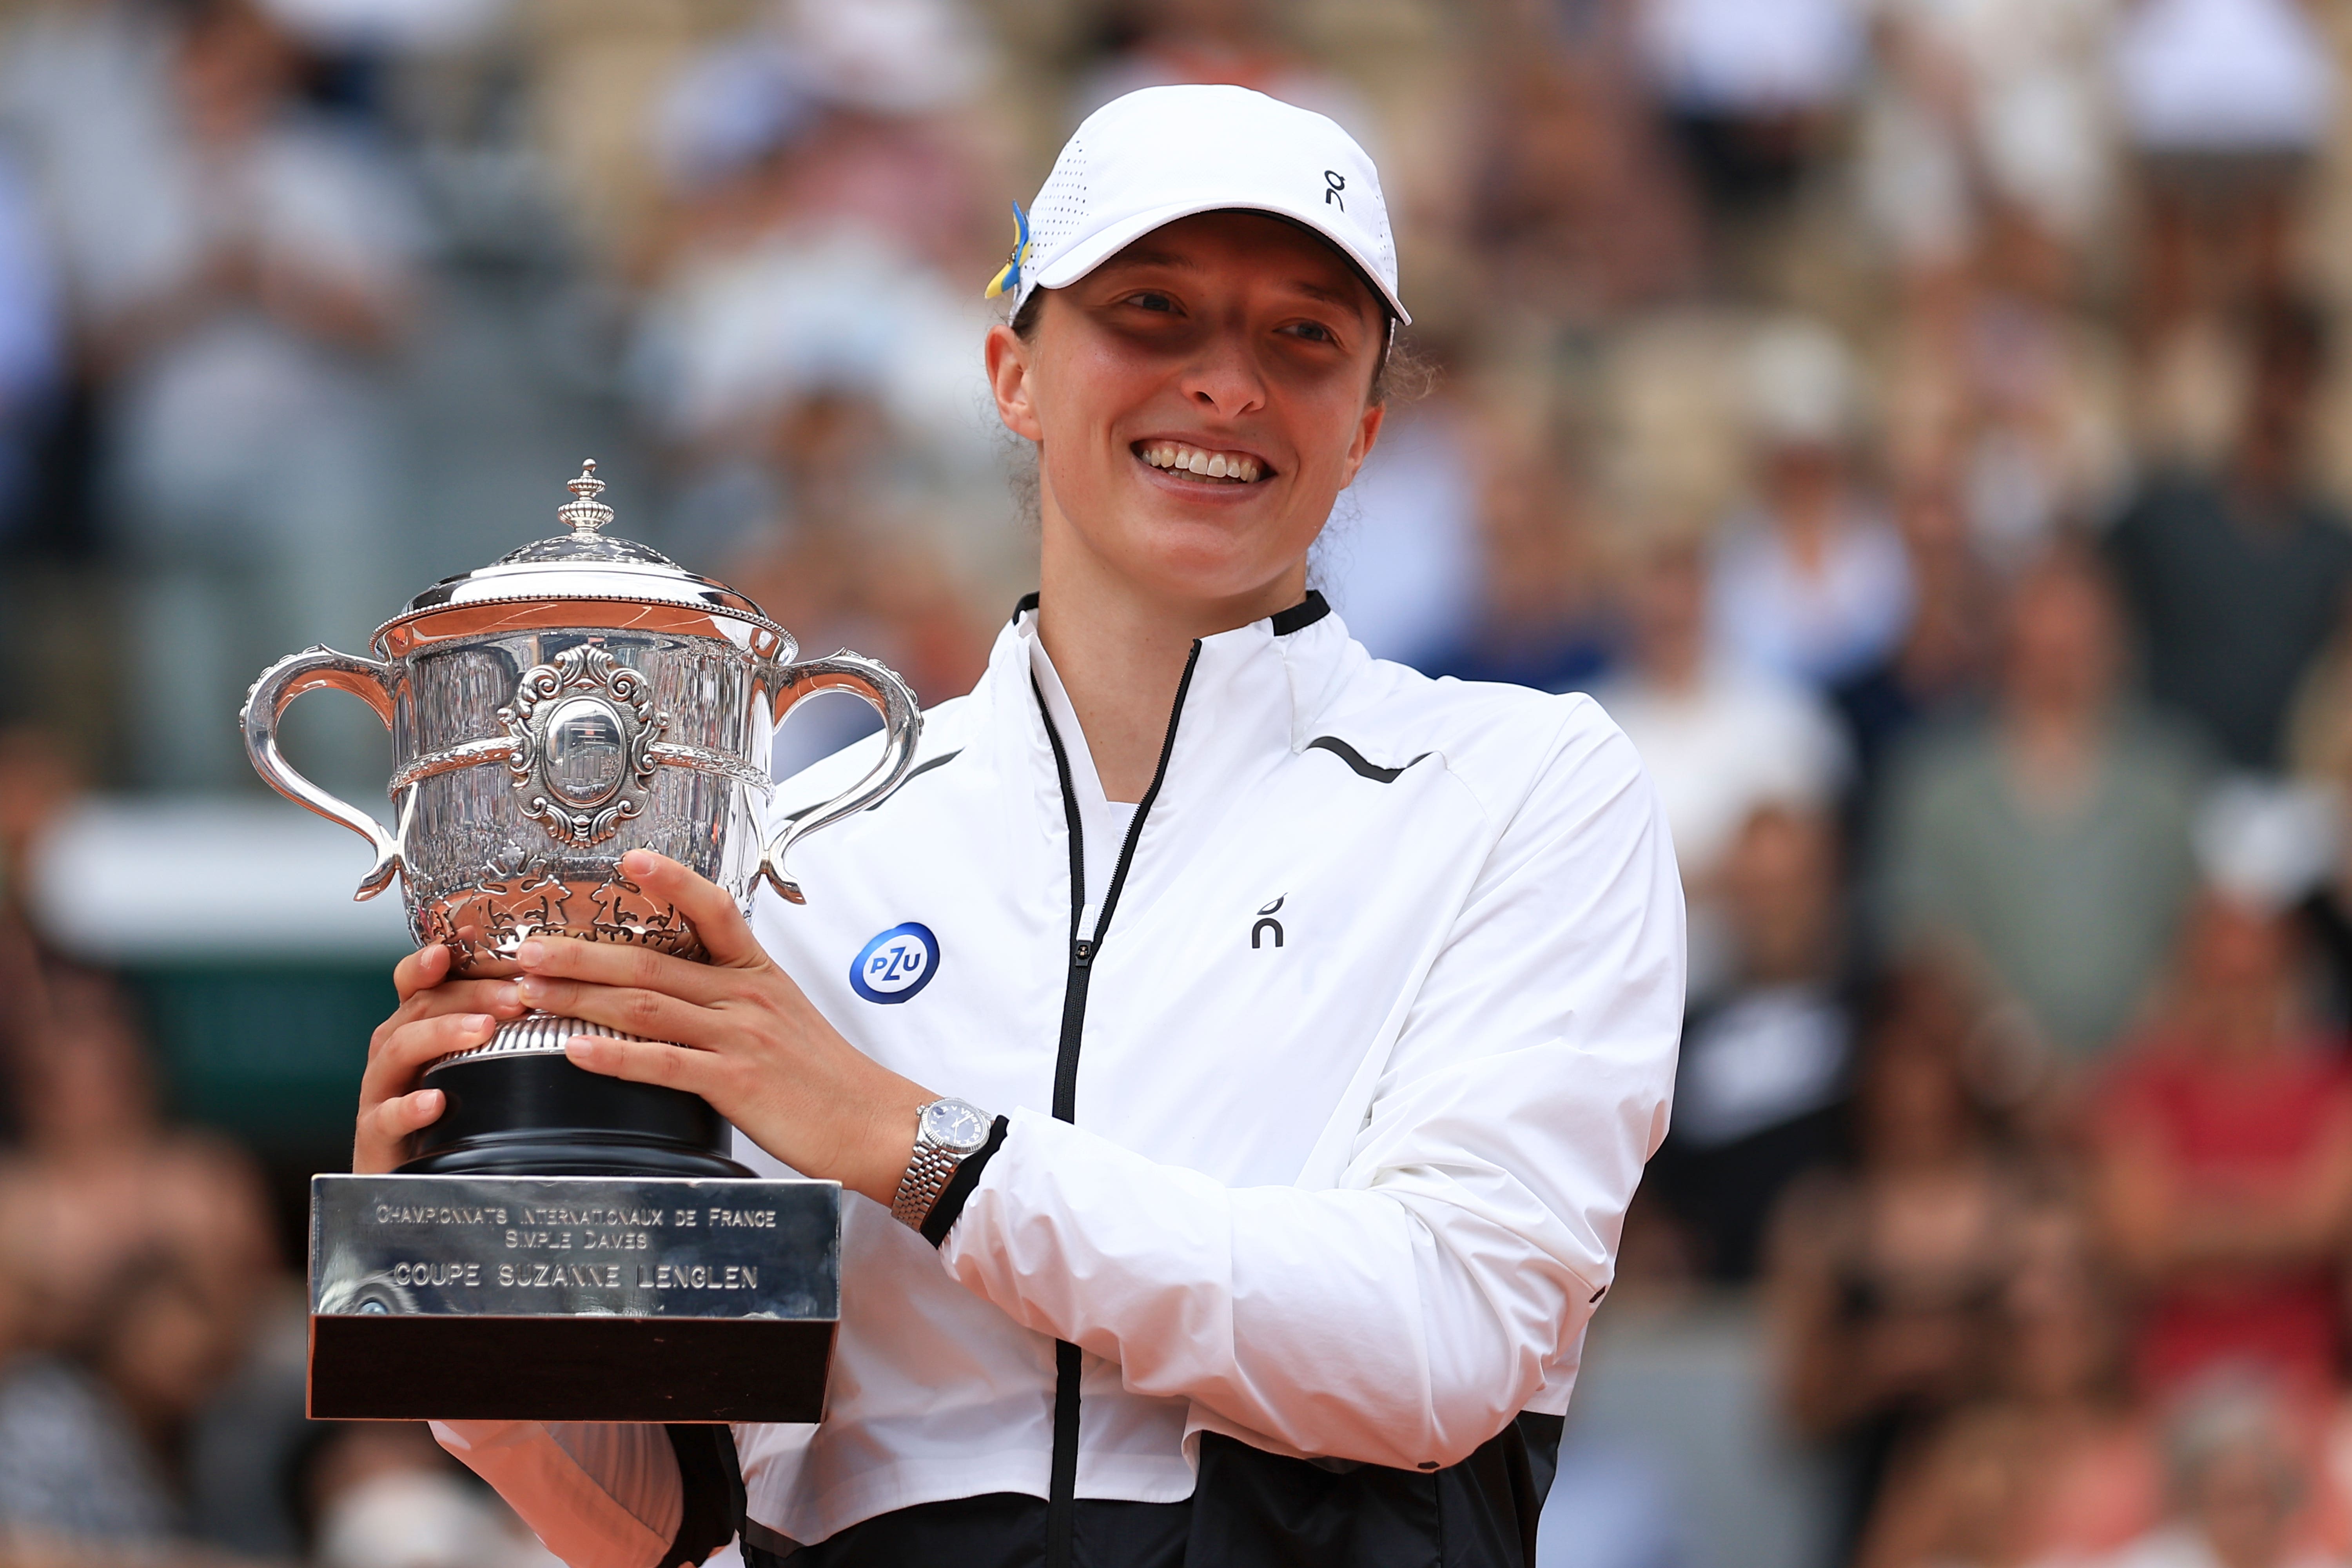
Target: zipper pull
(1082,953)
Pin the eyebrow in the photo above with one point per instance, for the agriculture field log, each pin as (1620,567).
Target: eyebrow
(1178,262)
(1331,296)
(1133,258)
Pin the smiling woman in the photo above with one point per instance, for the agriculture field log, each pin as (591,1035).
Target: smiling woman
(1199,400)
(1184,1245)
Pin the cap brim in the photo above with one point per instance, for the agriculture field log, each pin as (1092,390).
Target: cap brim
(1080,257)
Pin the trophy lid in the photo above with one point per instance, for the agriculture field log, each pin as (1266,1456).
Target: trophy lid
(581,567)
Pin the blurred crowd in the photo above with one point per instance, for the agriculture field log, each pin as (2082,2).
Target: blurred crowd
(1925,425)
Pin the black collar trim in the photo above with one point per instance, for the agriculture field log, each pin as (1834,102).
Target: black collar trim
(1296,618)
(1302,614)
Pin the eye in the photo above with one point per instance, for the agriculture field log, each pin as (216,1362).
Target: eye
(1312,331)
(1152,300)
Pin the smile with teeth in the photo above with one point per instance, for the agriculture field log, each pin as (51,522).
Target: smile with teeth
(1232,467)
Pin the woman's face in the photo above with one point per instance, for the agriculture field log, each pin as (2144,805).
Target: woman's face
(1228,340)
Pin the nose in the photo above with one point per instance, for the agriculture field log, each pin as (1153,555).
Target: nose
(1225,378)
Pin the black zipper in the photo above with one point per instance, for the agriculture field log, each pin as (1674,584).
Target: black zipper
(1061,1503)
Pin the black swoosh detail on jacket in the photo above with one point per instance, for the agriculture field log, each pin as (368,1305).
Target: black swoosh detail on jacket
(1355,759)
(917,770)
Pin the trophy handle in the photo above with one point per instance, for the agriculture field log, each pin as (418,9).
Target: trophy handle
(282,682)
(902,723)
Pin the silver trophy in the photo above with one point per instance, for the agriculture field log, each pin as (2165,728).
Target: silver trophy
(580,698)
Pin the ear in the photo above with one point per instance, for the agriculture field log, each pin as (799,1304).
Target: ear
(1008,379)
(1368,433)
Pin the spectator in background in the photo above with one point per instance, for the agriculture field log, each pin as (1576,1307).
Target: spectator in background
(870,100)
(1940,670)
(97,1189)
(1542,618)
(2228,104)
(804,350)
(243,271)
(2224,1164)
(1718,739)
(1766,1060)
(2002,386)
(1754,91)
(2237,580)
(1811,584)
(2046,847)
(2057,1467)
(91,1440)
(820,231)
(1170,43)
(1885,1282)
(1981,108)
(1574,207)
(99,1179)
(2239,1485)
(2038,421)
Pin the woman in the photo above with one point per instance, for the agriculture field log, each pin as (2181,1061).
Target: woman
(1319,1017)
(2222,1161)
(2055,1465)
(1886,1280)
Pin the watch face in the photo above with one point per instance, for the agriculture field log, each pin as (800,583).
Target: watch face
(955,1123)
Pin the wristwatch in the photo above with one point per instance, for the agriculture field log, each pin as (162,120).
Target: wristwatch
(947,1134)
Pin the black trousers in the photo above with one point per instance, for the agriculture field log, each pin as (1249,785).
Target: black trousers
(1248,1509)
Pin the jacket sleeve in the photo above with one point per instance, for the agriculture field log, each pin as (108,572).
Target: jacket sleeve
(598,1495)
(1404,1315)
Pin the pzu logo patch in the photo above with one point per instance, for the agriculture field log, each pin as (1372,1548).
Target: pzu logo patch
(896,964)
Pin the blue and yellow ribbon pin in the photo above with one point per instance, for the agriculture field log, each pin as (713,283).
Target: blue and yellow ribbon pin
(1008,279)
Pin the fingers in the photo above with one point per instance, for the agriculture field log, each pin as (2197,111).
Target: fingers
(390,1108)
(726,934)
(401,1054)
(497,997)
(429,965)
(623,964)
(420,970)
(629,1010)
(380,1142)
(642,1061)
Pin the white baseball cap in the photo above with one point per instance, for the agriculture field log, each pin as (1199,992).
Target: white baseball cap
(1164,153)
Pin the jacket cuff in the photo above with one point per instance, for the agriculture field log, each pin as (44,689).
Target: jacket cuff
(952,1197)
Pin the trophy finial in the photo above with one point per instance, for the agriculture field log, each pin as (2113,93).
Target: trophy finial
(585,512)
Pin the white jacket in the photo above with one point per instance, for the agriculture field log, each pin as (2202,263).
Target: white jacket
(1373,1048)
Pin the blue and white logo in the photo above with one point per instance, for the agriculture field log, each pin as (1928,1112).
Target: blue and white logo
(896,964)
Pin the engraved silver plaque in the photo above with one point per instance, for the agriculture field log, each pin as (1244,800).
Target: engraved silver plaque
(572,1298)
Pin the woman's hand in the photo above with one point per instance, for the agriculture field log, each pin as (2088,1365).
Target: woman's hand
(437,1015)
(744,1037)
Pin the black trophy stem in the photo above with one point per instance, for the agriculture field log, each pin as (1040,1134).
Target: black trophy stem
(535,1113)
